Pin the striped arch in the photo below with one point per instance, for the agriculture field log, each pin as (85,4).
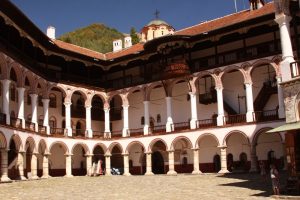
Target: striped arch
(259,132)
(133,143)
(3,142)
(18,142)
(31,79)
(206,135)
(156,140)
(62,144)
(202,74)
(58,86)
(103,146)
(42,147)
(150,87)
(17,68)
(112,145)
(181,138)
(267,62)
(84,146)
(232,132)
(234,67)
(30,143)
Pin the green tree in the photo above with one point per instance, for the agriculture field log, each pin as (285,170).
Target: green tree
(134,36)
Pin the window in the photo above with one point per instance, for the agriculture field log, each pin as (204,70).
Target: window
(52,102)
(52,122)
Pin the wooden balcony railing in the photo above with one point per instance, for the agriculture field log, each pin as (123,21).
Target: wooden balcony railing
(235,119)
(266,115)
(78,133)
(158,129)
(57,131)
(206,123)
(98,134)
(116,134)
(181,126)
(136,132)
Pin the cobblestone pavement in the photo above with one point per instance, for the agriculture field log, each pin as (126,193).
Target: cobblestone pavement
(162,187)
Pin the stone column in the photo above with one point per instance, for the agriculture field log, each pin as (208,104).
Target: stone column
(89,164)
(46,115)
(223,160)
(21,105)
(169,125)
(107,133)
(20,164)
(107,165)
(46,165)
(34,111)
(194,113)
(68,118)
(34,166)
(196,162)
(253,159)
(149,164)
(171,163)
(286,46)
(126,164)
(220,118)
(249,99)
(125,132)
(68,165)
(89,131)
(146,117)
(5,99)
(281,111)
(4,166)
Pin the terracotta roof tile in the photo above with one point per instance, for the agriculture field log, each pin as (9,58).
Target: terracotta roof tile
(227,20)
(131,50)
(80,50)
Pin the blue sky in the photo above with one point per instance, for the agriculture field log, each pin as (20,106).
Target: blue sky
(68,15)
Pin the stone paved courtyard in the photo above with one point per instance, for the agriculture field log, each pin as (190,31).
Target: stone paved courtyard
(162,187)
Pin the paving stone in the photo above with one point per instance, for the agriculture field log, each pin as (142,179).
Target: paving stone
(160,187)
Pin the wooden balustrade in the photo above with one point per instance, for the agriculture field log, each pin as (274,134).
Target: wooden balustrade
(235,119)
(206,123)
(266,115)
(181,126)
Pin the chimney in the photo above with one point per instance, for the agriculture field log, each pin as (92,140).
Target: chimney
(117,45)
(51,32)
(256,4)
(127,42)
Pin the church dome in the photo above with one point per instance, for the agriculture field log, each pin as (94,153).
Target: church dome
(157,22)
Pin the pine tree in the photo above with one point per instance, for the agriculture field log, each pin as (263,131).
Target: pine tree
(134,36)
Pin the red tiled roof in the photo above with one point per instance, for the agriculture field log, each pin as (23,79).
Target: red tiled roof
(131,50)
(227,20)
(80,50)
(193,30)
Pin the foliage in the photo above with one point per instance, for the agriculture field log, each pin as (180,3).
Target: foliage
(97,37)
(134,36)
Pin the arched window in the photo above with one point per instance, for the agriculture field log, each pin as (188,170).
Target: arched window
(52,122)
(52,103)
(41,120)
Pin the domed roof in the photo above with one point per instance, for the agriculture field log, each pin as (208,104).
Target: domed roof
(157,22)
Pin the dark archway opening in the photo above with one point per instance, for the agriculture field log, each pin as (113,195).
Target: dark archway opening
(158,165)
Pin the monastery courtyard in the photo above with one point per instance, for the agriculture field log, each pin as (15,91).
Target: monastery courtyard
(209,186)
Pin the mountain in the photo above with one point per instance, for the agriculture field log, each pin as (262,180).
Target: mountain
(97,37)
